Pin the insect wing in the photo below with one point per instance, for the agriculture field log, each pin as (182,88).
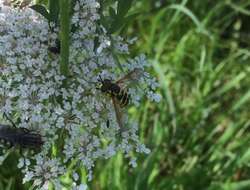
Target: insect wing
(32,140)
(118,112)
(132,77)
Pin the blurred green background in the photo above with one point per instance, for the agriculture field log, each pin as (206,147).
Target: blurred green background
(199,133)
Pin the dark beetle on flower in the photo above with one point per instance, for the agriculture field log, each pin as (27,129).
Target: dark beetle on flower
(21,137)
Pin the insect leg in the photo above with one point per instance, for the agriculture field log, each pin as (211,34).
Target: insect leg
(25,130)
(118,113)
(7,117)
(108,123)
(22,153)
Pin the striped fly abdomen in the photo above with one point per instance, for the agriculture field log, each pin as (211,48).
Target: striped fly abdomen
(123,97)
(116,91)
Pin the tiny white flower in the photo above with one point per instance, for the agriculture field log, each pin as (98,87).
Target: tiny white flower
(28,176)
(157,97)
(75,176)
(31,85)
(20,163)
(83,187)
(133,162)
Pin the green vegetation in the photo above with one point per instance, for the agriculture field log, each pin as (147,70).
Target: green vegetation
(199,133)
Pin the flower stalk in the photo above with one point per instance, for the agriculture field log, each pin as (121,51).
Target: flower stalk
(64,36)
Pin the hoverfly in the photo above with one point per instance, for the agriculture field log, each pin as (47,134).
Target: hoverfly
(22,137)
(118,91)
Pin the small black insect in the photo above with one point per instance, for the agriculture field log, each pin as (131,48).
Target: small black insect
(21,137)
(118,91)
(55,49)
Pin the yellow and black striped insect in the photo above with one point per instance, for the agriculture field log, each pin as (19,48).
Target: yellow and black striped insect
(118,91)
(22,137)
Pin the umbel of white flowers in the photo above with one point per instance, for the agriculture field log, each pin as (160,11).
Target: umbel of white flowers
(76,126)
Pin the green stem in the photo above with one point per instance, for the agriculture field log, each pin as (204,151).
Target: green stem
(64,36)
(54,11)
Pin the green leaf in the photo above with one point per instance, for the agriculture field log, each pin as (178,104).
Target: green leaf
(41,10)
(119,23)
(128,19)
(242,101)
(112,13)
(118,19)
(123,7)
(115,25)
(54,10)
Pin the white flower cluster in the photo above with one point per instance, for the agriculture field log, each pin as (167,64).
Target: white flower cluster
(72,120)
